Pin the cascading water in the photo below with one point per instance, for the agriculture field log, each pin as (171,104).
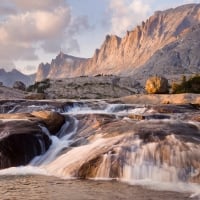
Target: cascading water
(58,143)
(107,143)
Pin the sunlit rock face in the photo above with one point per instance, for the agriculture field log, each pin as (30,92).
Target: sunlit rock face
(166,43)
(61,67)
(52,120)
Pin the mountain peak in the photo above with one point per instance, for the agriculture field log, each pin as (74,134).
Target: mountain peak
(8,78)
(128,54)
(14,70)
(61,55)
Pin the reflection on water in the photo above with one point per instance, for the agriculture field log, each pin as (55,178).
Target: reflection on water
(51,188)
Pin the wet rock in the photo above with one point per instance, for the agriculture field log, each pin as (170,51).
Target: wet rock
(157,116)
(90,169)
(28,106)
(157,85)
(21,139)
(19,85)
(136,117)
(52,120)
(196,118)
(175,108)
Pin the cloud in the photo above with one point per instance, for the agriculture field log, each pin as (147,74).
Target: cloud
(125,14)
(7,65)
(27,5)
(28,69)
(6,9)
(29,27)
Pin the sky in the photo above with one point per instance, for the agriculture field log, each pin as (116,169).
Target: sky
(35,31)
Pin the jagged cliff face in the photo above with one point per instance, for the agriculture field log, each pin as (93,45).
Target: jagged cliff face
(43,71)
(138,46)
(61,67)
(178,57)
(137,49)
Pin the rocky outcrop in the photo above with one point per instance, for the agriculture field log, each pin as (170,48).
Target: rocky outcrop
(99,87)
(52,120)
(19,85)
(10,93)
(21,137)
(157,85)
(20,141)
(166,43)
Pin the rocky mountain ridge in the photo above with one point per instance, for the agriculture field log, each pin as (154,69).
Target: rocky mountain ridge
(61,67)
(9,78)
(148,48)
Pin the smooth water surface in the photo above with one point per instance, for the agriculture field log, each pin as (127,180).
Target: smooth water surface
(51,188)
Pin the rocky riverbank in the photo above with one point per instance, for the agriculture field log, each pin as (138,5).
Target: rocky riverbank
(185,98)
(11,93)
(99,91)
(22,136)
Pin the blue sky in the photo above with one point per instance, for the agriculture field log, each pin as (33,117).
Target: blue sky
(32,32)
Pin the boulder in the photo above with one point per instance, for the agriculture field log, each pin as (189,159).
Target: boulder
(19,85)
(52,120)
(157,85)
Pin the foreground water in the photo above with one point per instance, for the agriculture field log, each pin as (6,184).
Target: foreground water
(51,188)
(149,150)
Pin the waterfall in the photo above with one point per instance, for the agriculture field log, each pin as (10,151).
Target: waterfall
(104,168)
(58,144)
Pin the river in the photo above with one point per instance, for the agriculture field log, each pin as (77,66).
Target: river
(113,151)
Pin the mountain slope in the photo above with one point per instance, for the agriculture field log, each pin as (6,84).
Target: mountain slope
(61,67)
(139,49)
(178,57)
(8,78)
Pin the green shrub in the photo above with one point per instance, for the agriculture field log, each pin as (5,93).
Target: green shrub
(39,87)
(192,85)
